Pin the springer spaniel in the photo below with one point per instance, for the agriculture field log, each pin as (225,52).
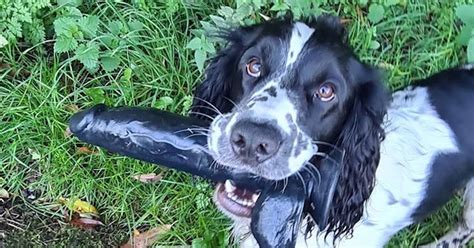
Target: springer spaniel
(282,87)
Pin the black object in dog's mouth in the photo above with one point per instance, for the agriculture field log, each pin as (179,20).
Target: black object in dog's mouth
(236,200)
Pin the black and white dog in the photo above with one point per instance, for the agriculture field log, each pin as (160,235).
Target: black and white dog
(282,87)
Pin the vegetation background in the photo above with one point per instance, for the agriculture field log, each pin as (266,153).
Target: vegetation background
(60,56)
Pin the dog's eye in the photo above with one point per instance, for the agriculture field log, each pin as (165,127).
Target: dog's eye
(326,92)
(254,67)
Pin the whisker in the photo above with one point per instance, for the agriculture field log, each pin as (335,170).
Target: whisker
(210,104)
(310,171)
(302,181)
(326,156)
(202,114)
(327,144)
(233,103)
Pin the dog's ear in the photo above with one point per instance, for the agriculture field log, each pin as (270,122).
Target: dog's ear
(222,78)
(361,137)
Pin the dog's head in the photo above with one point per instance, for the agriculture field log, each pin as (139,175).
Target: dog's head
(278,90)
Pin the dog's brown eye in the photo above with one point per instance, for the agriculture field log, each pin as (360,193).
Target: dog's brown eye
(254,67)
(326,92)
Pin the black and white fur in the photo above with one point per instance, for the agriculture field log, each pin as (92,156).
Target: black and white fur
(406,153)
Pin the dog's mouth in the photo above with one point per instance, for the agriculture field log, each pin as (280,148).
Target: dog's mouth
(236,200)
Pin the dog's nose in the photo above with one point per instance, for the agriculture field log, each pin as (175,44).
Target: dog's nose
(253,142)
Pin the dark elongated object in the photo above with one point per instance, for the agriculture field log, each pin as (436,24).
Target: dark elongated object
(177,142)
(277,220)
(155,136)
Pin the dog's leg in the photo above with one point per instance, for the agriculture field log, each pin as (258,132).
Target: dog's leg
(463,232)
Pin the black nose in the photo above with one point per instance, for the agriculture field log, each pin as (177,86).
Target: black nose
(253,142)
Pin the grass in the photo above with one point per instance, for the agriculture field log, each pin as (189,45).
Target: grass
(39,91)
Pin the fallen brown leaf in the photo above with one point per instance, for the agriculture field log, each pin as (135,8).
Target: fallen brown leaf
(147,238)
(67,133)
(85,150)
(84,223)
(4,193)
(148,178)
(73,108)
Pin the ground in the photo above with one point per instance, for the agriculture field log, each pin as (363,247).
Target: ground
(39,91)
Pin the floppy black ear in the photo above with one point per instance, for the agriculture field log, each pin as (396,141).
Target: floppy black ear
(221,76)
(360,138)
(222,82)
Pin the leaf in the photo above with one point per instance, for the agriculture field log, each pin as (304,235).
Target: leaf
(148,178)
(363,3)
(89,25)
(374,45)
(279,6)
(218,21)
(34,154)
(85,150)
(115,27)
(376,13)
(194,44)
(4,193)
(146,239)
(80,206)
(84,222)
(465,34)
(164,102)
(465,13)
(389,3)
(73,3)
(200,57)
(109,63)
(96,94)
(3,41)
(64,44)
(470,51)
(207,46)
(135,25)
(88,55)
(226,12)
(65,26)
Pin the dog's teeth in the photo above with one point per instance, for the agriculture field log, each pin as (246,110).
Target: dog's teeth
(228,186)
(255,197)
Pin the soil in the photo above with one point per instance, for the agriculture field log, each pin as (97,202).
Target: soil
(20,226)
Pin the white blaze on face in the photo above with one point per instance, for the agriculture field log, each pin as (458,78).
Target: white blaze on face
(299,36)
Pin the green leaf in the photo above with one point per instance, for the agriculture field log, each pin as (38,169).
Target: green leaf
(89,25)
(194,44)
(279,6)
(135,25)
(3,41)
(376,13)
(64,44)
(116,27)
(110,63)
(389,3)
(97,95)
(88,55)
(374,45)
(465,34)
(72,3)
(200,57)
(164,102)
(65,26)
(199,243)
(226,12)
(466,13)
(73,12)
(363,3)
(470,51)
(219,21)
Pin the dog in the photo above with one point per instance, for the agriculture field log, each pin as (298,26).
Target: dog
(282,89)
